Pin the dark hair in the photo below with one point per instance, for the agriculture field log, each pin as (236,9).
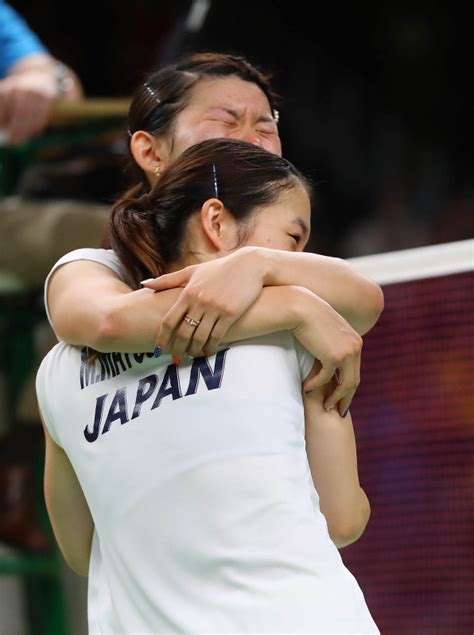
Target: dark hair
(164,94)
(147,232)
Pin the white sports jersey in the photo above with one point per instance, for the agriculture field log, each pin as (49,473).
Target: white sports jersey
(206,517)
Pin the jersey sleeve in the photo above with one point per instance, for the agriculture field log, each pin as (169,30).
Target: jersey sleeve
(42,397)
(305,359)
(105,257)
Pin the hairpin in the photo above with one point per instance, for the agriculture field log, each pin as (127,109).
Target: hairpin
(214,173)
(152,93)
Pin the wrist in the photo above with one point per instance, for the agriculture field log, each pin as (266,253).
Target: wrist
(302,305)
(258,258)
(278,267)
(273,311)
(64,80)
(263,263)
(269,263)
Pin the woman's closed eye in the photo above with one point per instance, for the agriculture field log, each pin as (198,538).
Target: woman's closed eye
(267,128)
(296,238)
(227,121)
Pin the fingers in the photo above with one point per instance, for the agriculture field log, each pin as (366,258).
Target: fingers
(217,334)
(170,280)
(342,397)
(178,337)
(323,377)
(204,339)
(5,107)
(341,380)
(22,125)
(170,323)
(27,115)
(5,110)
(201,334)
(184,339)
(348,382)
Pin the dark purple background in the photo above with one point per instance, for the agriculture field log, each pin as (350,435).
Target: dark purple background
(414,422)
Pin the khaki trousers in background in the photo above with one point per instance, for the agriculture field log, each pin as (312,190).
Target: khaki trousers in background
(34,234)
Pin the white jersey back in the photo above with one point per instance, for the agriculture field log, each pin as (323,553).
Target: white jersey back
(206,517)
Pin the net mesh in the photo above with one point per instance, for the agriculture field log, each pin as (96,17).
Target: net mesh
(414,421)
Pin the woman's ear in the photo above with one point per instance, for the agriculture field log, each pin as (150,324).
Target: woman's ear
(219,225)
(150,153)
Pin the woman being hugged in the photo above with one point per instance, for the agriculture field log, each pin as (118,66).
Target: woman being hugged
(204,96)
(211,495)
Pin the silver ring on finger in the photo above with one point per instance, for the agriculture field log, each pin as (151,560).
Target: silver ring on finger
(191,321)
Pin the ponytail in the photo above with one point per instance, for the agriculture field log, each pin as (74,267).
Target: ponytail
(134,237)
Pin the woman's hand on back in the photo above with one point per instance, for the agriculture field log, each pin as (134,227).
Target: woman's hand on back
(337,346)
(216,293)
(219,292)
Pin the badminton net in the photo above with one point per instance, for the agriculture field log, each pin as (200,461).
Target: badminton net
(414,421)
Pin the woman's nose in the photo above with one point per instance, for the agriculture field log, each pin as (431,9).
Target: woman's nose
(248,134)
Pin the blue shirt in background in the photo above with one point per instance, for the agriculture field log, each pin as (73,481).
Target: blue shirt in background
(16,39)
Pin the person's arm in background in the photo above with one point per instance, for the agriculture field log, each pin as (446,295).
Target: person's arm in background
(31,80)
(332,457)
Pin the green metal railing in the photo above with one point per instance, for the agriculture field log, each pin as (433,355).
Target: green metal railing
(20,311)
(40,573)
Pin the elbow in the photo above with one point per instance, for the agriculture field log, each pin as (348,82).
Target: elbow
(378,301)
(80,566)
(344,535)
(374,305)
(76,551)
(346,530)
